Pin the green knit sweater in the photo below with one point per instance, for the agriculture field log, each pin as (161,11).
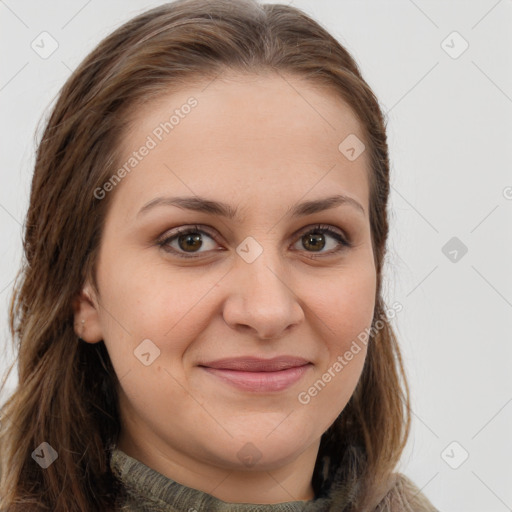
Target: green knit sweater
(146,490)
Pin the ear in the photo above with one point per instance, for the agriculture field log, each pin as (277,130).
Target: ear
(86,315)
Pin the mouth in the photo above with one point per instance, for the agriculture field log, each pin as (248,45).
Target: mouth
(259,375)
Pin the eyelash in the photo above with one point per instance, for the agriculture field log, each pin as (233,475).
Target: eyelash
(319,228)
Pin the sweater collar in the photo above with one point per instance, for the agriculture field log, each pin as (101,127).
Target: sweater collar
(147,489)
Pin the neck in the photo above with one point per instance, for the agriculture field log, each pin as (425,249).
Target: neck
(289,482)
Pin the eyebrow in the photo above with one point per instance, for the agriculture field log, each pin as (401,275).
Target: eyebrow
(201,204)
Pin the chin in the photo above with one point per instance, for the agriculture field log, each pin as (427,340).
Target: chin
(261,452)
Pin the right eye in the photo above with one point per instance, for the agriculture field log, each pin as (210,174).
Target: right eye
(185,242)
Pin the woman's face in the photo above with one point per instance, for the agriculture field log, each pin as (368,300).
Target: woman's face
(254,278)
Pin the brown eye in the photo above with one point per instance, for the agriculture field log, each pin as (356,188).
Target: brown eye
(188,240)
(314,241)
(317,239)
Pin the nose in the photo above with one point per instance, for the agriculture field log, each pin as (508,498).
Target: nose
(261,300)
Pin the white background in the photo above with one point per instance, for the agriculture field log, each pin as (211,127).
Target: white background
(450,128)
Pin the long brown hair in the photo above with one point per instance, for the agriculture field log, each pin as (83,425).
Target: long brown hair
(66,394)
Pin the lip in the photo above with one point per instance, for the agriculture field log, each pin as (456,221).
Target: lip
(256,364)
(259,375)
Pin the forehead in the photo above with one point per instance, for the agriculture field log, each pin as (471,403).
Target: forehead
(243,133)
(271,99)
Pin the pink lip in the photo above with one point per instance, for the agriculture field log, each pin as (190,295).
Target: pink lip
(256,364)
(254,374)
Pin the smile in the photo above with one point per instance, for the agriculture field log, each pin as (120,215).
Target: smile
(260,381)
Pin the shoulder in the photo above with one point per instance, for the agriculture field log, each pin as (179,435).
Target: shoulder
(404,496)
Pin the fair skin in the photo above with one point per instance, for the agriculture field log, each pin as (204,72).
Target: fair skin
(255,144)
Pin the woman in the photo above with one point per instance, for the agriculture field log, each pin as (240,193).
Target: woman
(208,217)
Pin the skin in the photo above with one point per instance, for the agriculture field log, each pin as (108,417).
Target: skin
(262,146)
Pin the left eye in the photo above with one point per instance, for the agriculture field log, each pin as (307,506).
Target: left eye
(190,240)
(316,239)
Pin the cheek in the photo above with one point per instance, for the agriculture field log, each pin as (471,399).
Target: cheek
(346,309)
(149,302)
(347,304)
(143,293)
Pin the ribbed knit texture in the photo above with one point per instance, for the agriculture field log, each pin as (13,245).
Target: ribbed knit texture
(149,491)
